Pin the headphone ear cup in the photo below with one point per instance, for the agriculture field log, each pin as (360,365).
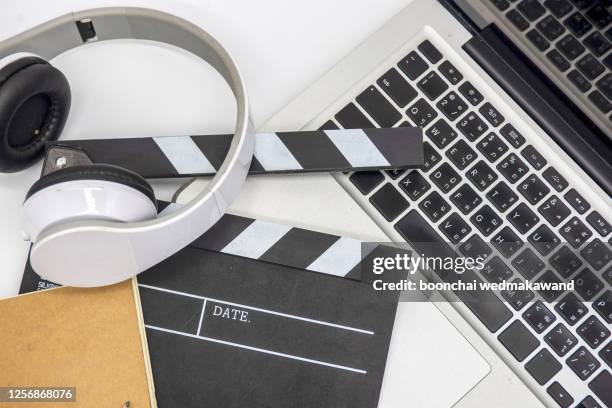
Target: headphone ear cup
(93,192)
(34,104)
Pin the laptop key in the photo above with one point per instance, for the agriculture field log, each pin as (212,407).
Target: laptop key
(430,51)
(588,402)
(543,366)
(558,60)
(413,65)
(507,242)
(553,210)
(532,9)
(579,80)
(543,240)
(593,332)
(377,106)
(517,20)
(481,175)
(533,157)
(560,395)
(522,218)
(590,67)
(470,93)
(512,168)
(455,228)
(431,157)
(441,133)
(414,185)
(560,339)
(583,363)
(475,247)
(556,180)
(491,114)
(600,224)
(512,135)
(445,177)
(537,40)
(597,43)
(533,189)
(607,275)
(597,254)
(397,87)
(461,154)
(421,113)
(578,24)
(599,15)
(492,147)
(486,220)
(587,284)
(550,294)
(351,118)
(565,261)
(606,354)
(608,60)
(389,202)
(550,27)
(571,309)
(539,317)
(605,85)
(452,106)
(395,173)
(434,206)
(558,8)
(577,202)
(496,271)
(471,126)
(575,232)
(501,5)
(502,196)
(602,387)
(432,85)
(366,181)
(466,199)
(603,306)
(600,101)
(518,298)
(582,4)
(450,72)
(570,47)
(518,340)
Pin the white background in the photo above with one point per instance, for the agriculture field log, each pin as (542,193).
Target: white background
(123,89)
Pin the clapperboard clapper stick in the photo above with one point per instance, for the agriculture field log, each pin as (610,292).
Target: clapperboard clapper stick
(280,152)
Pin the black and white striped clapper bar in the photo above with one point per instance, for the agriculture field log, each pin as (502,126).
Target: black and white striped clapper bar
(279,152)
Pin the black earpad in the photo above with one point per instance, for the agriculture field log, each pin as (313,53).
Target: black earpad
(34,106)
(104,172)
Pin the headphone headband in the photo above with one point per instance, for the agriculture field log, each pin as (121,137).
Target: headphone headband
(98,252)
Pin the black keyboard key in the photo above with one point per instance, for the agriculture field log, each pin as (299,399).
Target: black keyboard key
(577,201)
(502,196)
(472,126)
(532,9)
(539,317)
(543,240)
(432,85)
(512,168)
(597,43)
(430,51)
(575,232)
(518,298)
(528,264)
(492,147)
(366,181)
(395,173)
(599,15)
(590,67)
(543,366)
(466,199)
(597,254)
(507,242)
(501,5)
(571,309)
(481,175)
(421,113)
(583,363)
(558,60)
(549,294)
(600,224)
(579,80)
(450,72)
(441,133)
(375,104)
(431,156)
(397,87)
(491,114)
(605,85)
(593,332)
(389,202)
(486,220)
(512,135)
(606,354)
(537,40)
(587,284)
(452,106)
(603,306)
(550,28)
(607,275)
(461,154)
(588,402)
(600,101)
(582,4)
(445,177)
(351,118)
(455,228)
(496,271)
(578,24)
(434,206)
(413,65)
(560,395)
(475,247)
(570,47)
(522,218)
(565,261)
(533,189)
(517,20)
(518,340)
(470,93)
(560,339)
(414,185)
(533,157)
(558,8)
(602,387)
(556,180)
(608,60)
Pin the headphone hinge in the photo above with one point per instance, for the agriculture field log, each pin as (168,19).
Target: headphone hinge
(86,30)
(59,157)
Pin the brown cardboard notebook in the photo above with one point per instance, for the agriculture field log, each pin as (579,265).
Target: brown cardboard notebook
(91,339)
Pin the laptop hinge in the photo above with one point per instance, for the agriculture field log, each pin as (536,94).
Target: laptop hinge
(544,102)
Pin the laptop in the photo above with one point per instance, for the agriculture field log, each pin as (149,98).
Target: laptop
(513,98)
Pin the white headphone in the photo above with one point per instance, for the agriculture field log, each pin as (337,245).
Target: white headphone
(97,224)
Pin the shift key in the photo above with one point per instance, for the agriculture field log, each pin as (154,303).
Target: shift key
(378,107)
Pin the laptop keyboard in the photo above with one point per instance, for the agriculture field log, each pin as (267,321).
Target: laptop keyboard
(485,191)
(575,36)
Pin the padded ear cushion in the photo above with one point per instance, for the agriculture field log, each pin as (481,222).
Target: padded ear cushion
(105,172)
(34,106)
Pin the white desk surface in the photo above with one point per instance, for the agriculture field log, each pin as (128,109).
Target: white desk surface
(132,90)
